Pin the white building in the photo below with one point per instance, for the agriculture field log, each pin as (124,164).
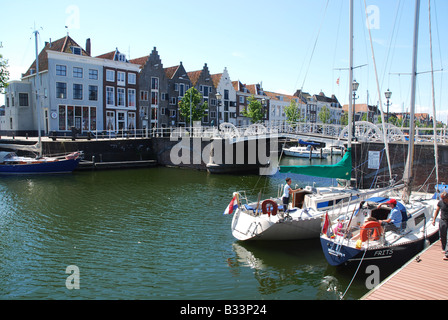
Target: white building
(227,106)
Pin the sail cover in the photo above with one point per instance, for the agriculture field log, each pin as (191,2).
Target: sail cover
(340,170)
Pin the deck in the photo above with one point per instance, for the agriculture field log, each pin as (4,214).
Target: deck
(425,278)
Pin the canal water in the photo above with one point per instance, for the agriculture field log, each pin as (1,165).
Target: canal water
(154,233)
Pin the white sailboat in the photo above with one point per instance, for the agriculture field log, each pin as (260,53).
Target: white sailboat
(359,238)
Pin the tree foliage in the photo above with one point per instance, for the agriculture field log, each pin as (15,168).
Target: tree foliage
(197,107)
(292,112)
(4,74)
(255,110)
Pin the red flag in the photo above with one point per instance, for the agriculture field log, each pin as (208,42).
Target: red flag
(326,224)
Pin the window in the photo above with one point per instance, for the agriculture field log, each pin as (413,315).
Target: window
(110,75)
(121,78)
(93,93)
(61,90)
(61,70)
(77,72)
(76,50)
(143,95)
(173,101)
(62,120)
(132,78)
(77,91)
(154,98)
(93,74)
(181,89)
(121,97)
(23,100)
(110,121)
(131,98)
(131,121)
(110,96)
(154,83)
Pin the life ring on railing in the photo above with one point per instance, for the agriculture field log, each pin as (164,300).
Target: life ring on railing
(269,207)
(370,230)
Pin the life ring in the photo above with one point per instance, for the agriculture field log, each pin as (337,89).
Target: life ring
(269,207)
(370,230)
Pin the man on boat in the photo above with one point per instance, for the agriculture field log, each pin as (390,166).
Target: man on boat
(442,206)
(394,218)
(287,191)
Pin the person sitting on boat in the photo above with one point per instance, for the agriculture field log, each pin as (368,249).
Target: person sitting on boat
(287,190)
(394,219)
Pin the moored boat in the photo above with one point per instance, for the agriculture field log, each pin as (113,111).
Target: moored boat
(11,163)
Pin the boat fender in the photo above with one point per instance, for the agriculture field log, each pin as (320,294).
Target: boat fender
(269,207)
(372,230)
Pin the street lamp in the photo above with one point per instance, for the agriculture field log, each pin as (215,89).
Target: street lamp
(355,86)
(388,94)
(218,98)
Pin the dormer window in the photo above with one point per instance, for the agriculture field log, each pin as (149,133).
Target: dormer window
(120,57)
(76,50)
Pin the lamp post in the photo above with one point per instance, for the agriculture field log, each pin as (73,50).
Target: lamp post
(355,86)
(388,94)
(218,103)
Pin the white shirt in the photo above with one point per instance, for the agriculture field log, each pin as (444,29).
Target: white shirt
(286,191)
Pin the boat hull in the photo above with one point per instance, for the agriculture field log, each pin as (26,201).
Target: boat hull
(51,167)
(344,255)
(304,154)
(246,227)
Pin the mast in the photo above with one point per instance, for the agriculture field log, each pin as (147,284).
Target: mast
(37,94)
(350,103)
(407,176)
(434,122)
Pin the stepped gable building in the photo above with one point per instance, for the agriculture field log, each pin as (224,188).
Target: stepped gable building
(153,92)
(203,82)
(226,106)
(120,85)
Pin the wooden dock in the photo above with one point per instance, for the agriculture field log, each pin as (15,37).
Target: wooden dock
(422,278)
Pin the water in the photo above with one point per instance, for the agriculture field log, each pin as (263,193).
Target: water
(156,233)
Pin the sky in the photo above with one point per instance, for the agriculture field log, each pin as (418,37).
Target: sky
(285,45)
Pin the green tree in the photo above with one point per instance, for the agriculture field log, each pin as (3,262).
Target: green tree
(254,111)
(197,107)
(324,115)
(344,119)
(4,74)
(292,112)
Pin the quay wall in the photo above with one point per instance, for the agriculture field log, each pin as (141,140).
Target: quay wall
(423,168)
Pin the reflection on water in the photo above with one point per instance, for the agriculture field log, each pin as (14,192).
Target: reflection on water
(156,233)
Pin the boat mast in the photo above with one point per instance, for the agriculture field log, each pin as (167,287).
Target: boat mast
(350,103)
(434,122)
(37,94)
(407,176)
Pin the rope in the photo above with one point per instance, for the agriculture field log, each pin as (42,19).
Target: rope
(354,276)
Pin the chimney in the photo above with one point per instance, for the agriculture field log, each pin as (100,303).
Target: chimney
(88,47)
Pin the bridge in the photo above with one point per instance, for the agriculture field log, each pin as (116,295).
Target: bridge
(325,133)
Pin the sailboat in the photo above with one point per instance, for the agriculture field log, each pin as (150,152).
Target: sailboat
(12,164)
(360,237)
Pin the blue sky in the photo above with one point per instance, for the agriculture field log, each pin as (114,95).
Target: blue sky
(285,44)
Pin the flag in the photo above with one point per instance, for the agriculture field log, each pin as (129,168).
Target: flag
(337,81)
(232,206)
(326,224)
(326,229)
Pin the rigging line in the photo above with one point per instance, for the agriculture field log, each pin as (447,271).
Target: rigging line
(354,276)
(390,42)
(337,41)
(315,44)
(386,143)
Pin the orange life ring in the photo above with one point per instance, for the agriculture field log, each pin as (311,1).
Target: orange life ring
(370,230)
(269,207)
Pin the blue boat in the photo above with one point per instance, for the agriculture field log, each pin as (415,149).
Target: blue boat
(11,164)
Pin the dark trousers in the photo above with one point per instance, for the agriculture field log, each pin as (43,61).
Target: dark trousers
(443,228)
(285,203)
